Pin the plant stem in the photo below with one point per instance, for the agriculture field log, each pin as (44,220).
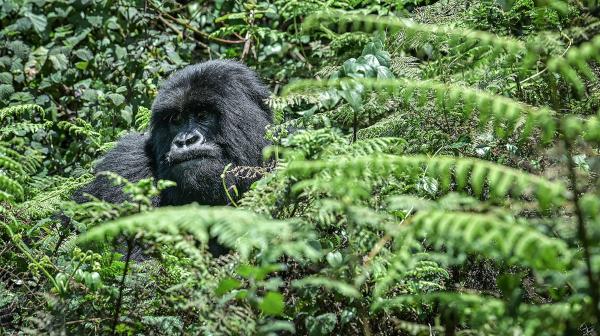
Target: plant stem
(582,231)
(354,125)
(224,183)
(23,248)
(130,244)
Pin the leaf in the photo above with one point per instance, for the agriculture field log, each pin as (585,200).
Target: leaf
(231,16)
(92,280)
(81,65)
(39,55)
(227,285)
(117,99)
(127,114)
(120,52)
(84,54)
(321,325)
(371,49)
(384,73)
(6,78)
(334,258)
(338,286)
(6,90)
(349,66)
(369,60)
(72,41)
(352,93)
(383,57)
(272,304)
(39,22)
(59,61)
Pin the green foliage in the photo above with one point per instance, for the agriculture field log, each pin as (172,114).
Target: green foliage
(474,174)
(433,170)
(235,229)
(142,119)
(504,112)
(574,65)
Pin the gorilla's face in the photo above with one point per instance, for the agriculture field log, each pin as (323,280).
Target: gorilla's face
(207,116)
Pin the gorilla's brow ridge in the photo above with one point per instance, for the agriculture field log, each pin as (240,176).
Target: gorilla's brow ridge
(168,102)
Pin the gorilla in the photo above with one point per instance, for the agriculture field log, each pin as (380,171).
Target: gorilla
(204,117)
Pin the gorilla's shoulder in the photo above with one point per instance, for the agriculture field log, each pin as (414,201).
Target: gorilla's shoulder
(129,158)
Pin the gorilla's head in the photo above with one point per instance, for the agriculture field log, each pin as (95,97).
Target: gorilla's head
(206,116)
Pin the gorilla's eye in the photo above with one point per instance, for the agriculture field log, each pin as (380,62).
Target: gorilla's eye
(175,118)
(202,115)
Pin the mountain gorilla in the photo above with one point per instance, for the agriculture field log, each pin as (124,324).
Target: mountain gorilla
(205,116)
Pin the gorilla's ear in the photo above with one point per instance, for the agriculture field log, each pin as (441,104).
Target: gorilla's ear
(130,159)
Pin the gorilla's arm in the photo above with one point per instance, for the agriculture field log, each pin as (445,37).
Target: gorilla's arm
(129,159)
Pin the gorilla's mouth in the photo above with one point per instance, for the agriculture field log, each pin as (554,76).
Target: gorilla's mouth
(198,153)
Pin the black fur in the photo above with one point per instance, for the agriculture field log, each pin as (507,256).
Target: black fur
(225,103)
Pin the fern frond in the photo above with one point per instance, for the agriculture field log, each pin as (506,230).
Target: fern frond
(457,37)
(406,67)
(573,67)
(142,118)
(55,190)
(9,164)
(409,274)
(27,127)
(30,162)
(10,188)
(574,126)
(366,147)
(505,112)
(461,302)
(18,110)
(470,172)
(80,127)
(478,310)
(385,127)
(278,103)
(492,237)
(234,228)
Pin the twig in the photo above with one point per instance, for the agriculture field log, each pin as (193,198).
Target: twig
(130,244)
(247,45)
(545,69)
(381,243)
(166,15)
(582,232)
(170,25)
(248,37)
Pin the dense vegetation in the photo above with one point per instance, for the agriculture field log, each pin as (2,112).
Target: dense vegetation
(442,177)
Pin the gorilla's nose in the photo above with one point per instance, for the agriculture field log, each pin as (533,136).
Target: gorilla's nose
(188,139)
(189,145)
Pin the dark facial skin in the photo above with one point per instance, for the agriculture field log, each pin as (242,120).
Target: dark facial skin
(191,135)
(204,118)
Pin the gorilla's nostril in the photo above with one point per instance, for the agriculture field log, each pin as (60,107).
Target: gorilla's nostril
(179,143)
(192,140)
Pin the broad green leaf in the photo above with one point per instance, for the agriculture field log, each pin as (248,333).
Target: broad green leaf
(39,22)
(272,304)
(117,99)
(227,285)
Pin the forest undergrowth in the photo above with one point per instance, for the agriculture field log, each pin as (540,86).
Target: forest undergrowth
(435,170)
